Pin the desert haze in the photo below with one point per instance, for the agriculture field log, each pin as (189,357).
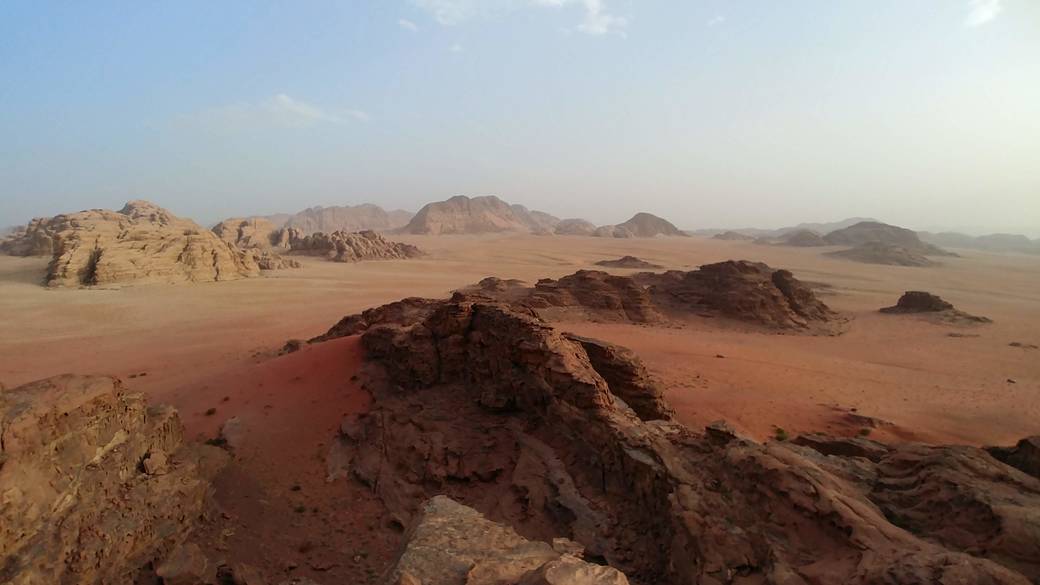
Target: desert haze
(520,292)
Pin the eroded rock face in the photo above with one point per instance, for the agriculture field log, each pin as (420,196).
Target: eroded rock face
(1025,456)
(550,449)
(96,485)
(140,243)
(253,232)
(346,218)
(350,247)
(926,303)
(452,544)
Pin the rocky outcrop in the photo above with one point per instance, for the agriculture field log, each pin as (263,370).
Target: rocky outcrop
(732,236)
(647,225)
(1025,456)
(574,227)
(802,239)
(612,231)
(140,243)
(884,254)
(452,544)
(346,218)
(628,262)
(350,247)
(407,310)
(921,302)
(549,448)
(865,233)
(97,487)
(254,232)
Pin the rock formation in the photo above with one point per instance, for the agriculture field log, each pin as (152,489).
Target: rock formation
(746,291)
(989,243)
(885,254)
(551,447)
(452,544)
(627,262)
(574,227)
(874,232)
(140,243)
(465,215)
(915,301)
(537,222)
(612,231)
(802,239)
(97,487)
(260,239)
(348,218)
(646,225)
(732,236)
(1024,456)
(254,232)
(350,247)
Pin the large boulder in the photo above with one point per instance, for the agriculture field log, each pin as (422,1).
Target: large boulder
(139,243)
(95,485)
(452,544)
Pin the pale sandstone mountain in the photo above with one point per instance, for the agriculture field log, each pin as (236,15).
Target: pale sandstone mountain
(140,243)
(250,232)
(347,218)
(97,485)
(641,225)
(465,215)
(574,227)
(538,222)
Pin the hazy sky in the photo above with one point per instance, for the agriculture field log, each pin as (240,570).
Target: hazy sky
(762,113)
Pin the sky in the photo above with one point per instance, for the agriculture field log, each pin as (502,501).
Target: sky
(716,113)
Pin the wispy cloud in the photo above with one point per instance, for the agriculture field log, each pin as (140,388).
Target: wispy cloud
(279,110)
(716,20)
(982,12)
(407,25)
(597,19)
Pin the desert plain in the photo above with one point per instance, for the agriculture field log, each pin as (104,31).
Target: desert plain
(212,350)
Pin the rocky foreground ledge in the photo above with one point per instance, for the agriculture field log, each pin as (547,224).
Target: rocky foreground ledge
(485,402)
(95,486)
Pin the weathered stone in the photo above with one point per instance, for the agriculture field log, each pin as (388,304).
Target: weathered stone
(84,494)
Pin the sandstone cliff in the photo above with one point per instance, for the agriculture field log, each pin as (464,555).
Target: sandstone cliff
(140,243)
(347,218)
(97,487)
(478,215)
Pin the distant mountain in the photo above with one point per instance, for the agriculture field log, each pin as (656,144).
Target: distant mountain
(872,232)
(648,225)
(347,218)
(732,236)
(472,215)
(989,243)
(827,227)
(538,222)
(574,227)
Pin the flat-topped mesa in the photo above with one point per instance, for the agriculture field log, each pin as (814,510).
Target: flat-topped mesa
(921,302)
(477,215)
(98,487)
(140,243)
(350,246)
(560,440)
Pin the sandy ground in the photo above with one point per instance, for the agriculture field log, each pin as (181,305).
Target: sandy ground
(213,345)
